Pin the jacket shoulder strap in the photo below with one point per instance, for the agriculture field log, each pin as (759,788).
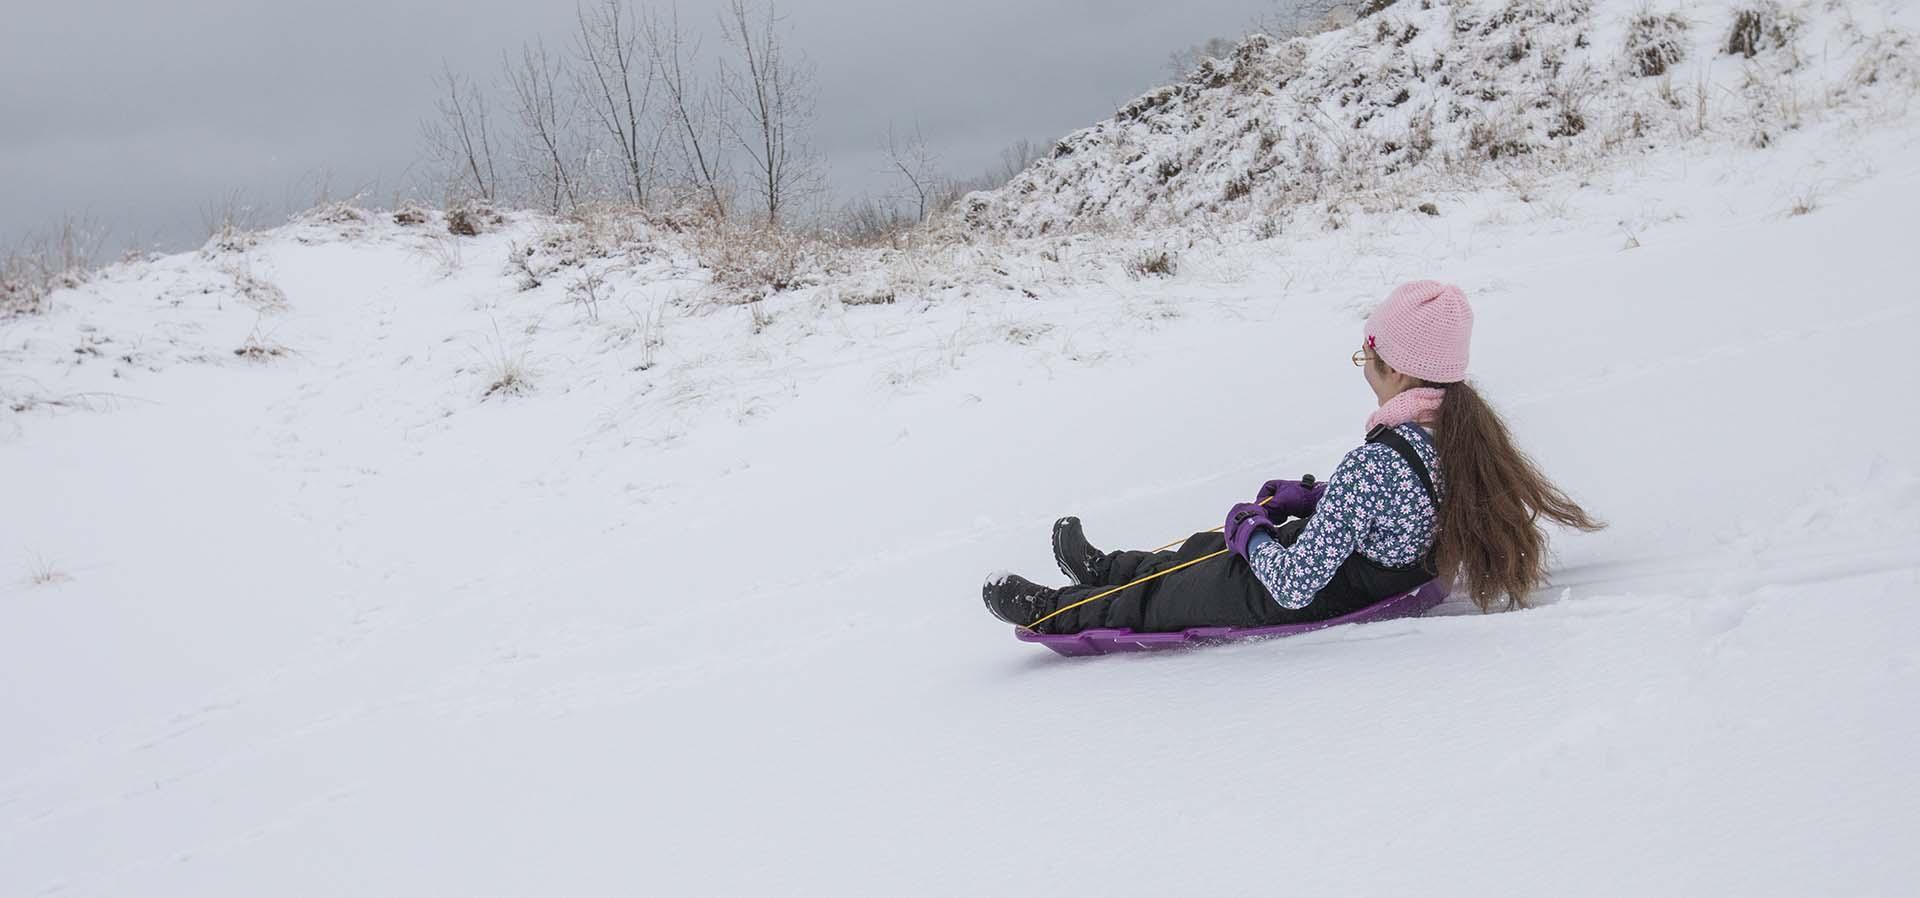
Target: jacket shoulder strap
(1392,439)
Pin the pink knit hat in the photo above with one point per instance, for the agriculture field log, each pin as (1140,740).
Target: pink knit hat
(1423,329)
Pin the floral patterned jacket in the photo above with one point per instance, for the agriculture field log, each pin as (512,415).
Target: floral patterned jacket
(1374,505)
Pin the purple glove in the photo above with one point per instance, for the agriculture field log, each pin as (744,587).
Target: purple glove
(1243,521)
(1292,498)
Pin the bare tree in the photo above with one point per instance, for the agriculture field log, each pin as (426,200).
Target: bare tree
(918,168)
(690,108)
(867,220)
(617,83)
(1309,17)
(544,115)
(1182,62)
(773,93)
(1014,159)
(460,139)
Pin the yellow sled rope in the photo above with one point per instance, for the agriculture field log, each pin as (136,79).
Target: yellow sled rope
(1090,599)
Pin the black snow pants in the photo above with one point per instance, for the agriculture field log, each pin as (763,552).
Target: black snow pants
(1221,591)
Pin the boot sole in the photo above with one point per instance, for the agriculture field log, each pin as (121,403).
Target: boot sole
(1061,559)
(986,598)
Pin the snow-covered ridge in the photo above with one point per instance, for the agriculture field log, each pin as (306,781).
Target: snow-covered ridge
(1421,107)
(1422,97)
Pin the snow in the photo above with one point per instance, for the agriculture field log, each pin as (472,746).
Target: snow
(339,622)
(1423,97)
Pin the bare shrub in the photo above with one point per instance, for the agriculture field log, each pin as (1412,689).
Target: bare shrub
(42,572)
(1569,97)
(1655,41)
(1420,135)
(506,369)
(337,213)
(462,223)
(261,293)
(62,257)
(1182,63)
(869,222)
(520,263)
(1746,35)
(1306,18)
(230,221)
(884,296)
(1887,56)
(411,216)
(473,219)
(1758,29)
(600,230)
(1804,202)
(23,286)
(650,331)
(259,347)
(509,378)
(1498,135)
(1153,263)
(1014,159)
(754,261)
(443,252)
(588,292)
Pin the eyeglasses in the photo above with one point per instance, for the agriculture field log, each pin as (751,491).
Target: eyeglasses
(1361,357)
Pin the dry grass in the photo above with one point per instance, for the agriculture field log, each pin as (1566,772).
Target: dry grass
(62,257)
(443,252)
(754,262)
(473,219)
(507,372)
(259,292)
(1803,202)
(336,213)
(650,333)
(1153,263)
(589,292)
(259,347)
(528,272)
(1758,29)
(1655,41)
(42,572)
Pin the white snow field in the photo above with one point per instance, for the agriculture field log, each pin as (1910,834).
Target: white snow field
(336,621)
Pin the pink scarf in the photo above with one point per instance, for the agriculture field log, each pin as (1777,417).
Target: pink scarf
(1420,405)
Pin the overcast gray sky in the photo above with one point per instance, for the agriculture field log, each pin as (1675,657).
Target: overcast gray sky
(140,112)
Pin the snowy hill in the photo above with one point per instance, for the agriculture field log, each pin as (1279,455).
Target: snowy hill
(1422,98)
(341,559)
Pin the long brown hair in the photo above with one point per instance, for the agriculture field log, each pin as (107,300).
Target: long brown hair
(1489,534)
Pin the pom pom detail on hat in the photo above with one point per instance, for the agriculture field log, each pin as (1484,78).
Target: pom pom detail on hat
(1423,329)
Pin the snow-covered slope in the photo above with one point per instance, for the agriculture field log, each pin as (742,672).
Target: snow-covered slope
(1423,98)
(691,606)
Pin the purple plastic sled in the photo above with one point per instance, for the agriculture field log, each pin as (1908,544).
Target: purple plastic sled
(1102,642)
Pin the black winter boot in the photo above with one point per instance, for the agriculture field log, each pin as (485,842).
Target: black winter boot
(1017,600)
(1080,561)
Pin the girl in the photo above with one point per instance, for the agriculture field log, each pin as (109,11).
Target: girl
(1438,489)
